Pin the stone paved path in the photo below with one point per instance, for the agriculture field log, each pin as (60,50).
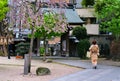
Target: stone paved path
(103,73)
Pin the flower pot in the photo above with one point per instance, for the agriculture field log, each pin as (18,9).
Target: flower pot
(19,57)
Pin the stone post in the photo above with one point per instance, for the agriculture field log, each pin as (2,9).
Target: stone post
(26,64)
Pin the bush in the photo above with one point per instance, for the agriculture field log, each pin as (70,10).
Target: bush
(80,32)
(86,3)
(22,48)
(42,71)
(42,51)
(83,47)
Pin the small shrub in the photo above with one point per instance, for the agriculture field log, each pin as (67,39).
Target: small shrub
(42,51)
(83,47)
(80,32)
(22,48)
(42,71)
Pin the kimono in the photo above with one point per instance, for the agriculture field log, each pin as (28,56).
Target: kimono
(94,55)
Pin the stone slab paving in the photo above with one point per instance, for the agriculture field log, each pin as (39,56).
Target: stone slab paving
(103,73)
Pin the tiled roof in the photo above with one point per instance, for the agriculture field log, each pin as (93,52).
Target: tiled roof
(71,15)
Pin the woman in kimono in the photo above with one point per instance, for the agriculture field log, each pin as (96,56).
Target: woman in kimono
(94,52)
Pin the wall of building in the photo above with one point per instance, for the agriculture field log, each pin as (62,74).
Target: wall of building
(104,43)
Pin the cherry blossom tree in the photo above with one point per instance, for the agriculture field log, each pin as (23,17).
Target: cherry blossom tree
(30,14)
(53,30)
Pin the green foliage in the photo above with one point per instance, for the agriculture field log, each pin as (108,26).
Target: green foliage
(108,13)
(99,5)
(42,50)
(83,47)
(3,8)
(48,29)
(40,32)
(22,48)
(80,32)
(86,3)
(49,22)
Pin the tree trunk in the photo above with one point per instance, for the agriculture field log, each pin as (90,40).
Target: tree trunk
(44,56)
(38,46)
(67,44)
(30,51)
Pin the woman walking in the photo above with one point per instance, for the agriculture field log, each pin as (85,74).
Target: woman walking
(94,52)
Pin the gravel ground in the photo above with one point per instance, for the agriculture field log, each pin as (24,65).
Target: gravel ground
(12,70)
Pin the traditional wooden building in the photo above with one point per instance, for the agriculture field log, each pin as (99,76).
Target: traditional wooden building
(73,20)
